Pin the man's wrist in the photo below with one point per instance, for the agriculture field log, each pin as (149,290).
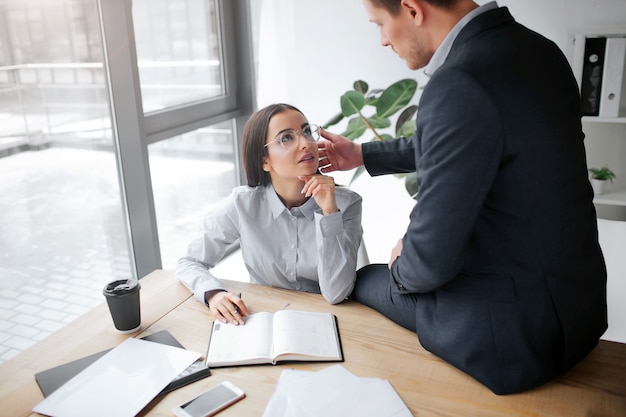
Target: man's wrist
(359,155)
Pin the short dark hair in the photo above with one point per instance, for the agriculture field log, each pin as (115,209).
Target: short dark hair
(393,6)
(253,147)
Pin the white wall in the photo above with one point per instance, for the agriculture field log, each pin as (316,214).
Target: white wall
(613,241)
(334,44)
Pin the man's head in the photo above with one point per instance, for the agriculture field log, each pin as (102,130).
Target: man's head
(414,29)
(393,6)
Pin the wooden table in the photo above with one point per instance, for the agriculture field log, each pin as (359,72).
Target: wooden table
(373,347)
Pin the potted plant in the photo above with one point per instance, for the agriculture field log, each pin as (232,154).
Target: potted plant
(382,104)
(599,176)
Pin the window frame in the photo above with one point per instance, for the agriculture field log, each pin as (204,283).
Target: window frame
(133,130)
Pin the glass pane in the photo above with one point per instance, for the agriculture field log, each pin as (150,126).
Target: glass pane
(178,51)
(190,174)
(62,234)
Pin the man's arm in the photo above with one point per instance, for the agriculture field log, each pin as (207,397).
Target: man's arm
(389,156)
(338,153)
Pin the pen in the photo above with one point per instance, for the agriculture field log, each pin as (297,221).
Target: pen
(237,308)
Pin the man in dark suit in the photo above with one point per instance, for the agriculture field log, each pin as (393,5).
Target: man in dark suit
(500,272)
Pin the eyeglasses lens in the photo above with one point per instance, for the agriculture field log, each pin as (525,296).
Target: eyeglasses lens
(289,138)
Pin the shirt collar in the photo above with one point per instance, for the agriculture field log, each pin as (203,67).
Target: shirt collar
(277,207)
(440,55)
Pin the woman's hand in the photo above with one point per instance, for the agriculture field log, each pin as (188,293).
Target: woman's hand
(322,188)
(227,307)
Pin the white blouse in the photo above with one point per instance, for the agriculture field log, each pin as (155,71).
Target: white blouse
(298,249)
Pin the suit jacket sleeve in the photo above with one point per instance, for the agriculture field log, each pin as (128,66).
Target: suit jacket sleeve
(389,156)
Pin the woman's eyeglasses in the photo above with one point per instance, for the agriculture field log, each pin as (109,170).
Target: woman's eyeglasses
(288,139)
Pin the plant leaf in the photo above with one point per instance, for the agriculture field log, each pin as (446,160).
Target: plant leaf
(410,184)
(351,103)
(373,96)
(407,129)
(395,97)
(356,174)
(406,115)
(356,128)
(360,86)
(336,119)
(379,123)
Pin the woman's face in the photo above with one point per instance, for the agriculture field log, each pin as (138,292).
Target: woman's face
(299,156)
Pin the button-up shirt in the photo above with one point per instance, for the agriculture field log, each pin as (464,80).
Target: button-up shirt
(299,249)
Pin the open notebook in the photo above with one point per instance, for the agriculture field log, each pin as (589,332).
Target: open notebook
(270,338)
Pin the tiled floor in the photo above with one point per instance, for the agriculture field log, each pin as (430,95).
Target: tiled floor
(32,311)
(55,256)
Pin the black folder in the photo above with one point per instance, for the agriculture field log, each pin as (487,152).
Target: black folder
(591,83)
(51,379)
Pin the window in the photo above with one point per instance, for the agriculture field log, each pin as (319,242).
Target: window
(88,127)
(190,174)
(178,52)
(63,233)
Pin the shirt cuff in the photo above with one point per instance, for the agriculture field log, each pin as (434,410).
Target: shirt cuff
(330,225)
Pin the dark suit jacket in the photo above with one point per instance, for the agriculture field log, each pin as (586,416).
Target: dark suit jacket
(502,245)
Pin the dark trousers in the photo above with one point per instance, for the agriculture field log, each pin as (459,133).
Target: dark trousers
(374,288)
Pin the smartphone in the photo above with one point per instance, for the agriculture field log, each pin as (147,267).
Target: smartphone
(211,402)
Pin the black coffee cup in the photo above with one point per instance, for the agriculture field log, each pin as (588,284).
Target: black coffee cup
(123,299)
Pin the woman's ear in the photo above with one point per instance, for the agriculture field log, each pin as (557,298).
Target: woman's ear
(266,164)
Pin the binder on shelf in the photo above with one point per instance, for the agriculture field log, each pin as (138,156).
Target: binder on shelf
(591,82)
(578,43)
(612,100)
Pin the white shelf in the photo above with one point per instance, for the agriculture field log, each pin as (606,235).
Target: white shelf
(598,128)
(616,198)
(598,119)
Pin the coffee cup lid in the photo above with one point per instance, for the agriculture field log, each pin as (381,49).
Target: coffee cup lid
(121,286)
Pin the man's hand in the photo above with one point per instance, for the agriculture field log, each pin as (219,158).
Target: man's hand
(395,252)
(338,153)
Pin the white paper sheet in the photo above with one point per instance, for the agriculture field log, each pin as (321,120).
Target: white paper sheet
(120,383)
(333,392)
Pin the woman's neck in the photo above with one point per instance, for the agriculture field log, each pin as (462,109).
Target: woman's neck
(290,193)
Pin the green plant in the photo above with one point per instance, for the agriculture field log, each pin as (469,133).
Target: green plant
(358,103)
(602,174)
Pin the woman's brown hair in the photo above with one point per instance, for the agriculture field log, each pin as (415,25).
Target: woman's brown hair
(254,136)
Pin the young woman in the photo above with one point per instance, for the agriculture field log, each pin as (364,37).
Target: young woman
(297,230)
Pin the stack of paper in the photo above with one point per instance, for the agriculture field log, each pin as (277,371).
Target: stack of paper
(332,392)
(120,383)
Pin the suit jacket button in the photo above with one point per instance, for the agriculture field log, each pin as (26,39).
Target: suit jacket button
(400,287)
